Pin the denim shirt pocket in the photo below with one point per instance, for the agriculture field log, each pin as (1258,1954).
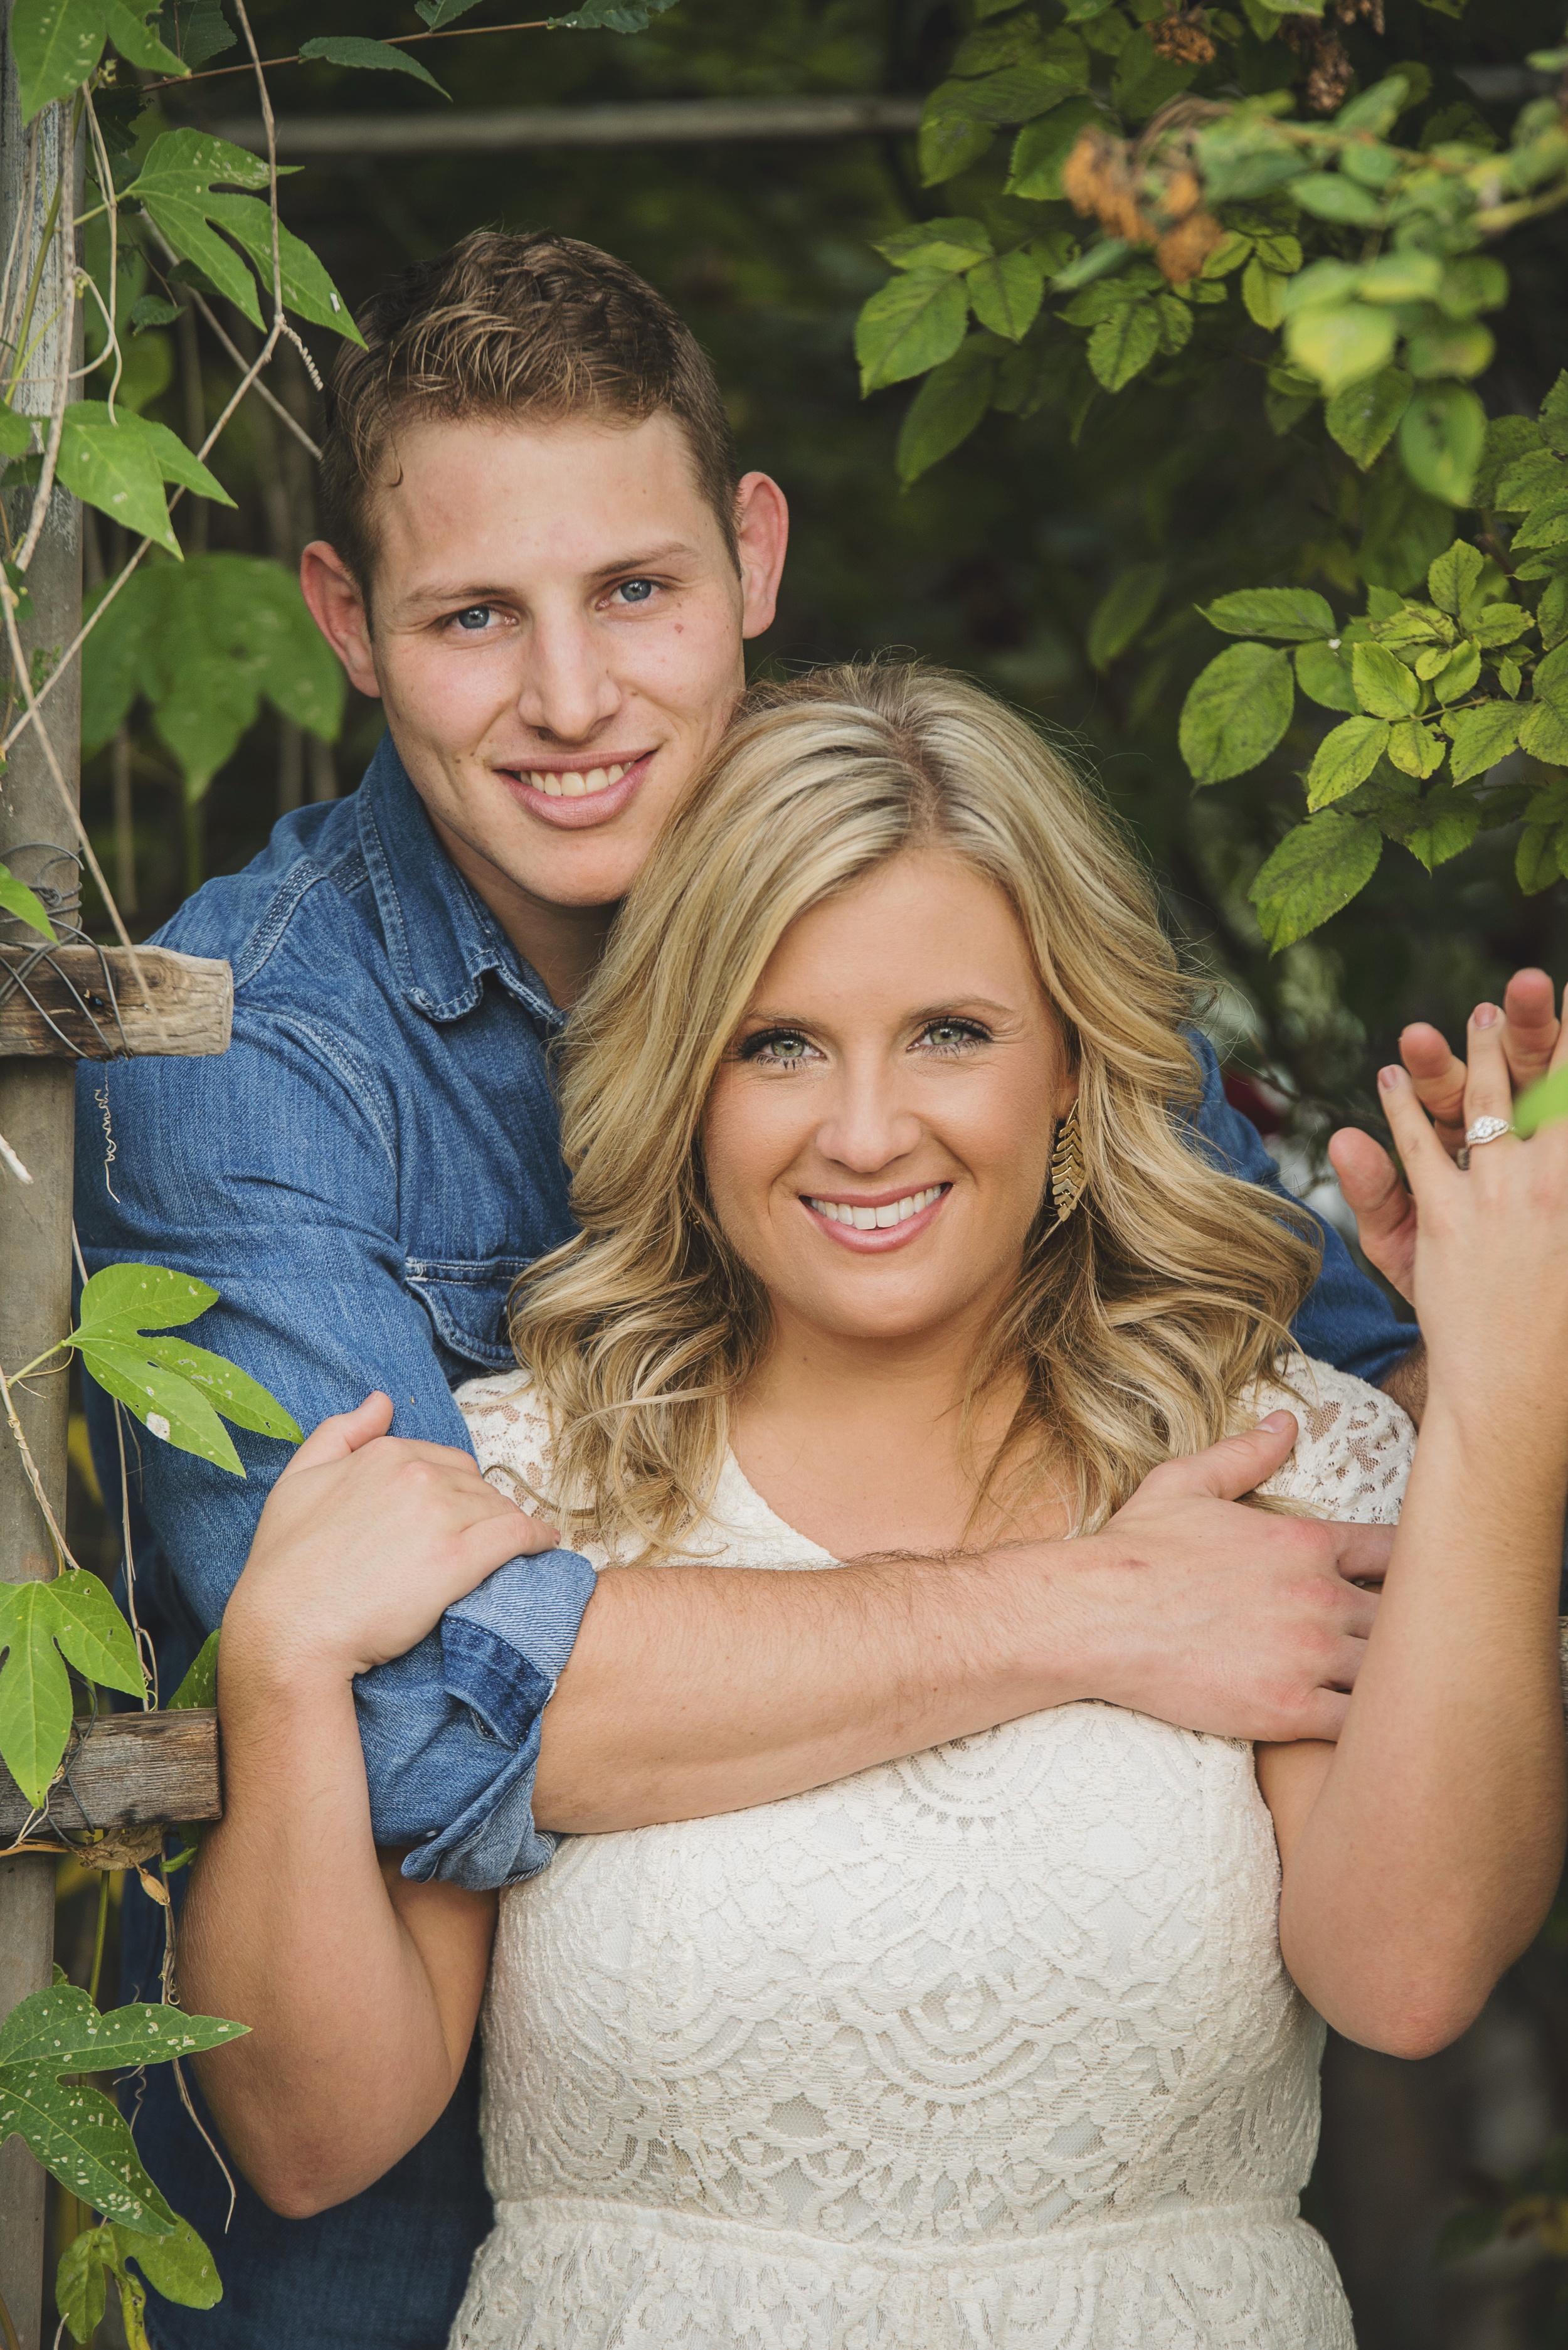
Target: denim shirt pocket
(466,1301)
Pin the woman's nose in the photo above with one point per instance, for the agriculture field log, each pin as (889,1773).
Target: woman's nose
(868,1127)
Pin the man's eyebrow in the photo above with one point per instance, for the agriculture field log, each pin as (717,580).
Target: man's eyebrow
(648,560)
(466,592)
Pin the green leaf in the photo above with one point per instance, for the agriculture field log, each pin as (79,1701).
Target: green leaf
(79,2137)
(178,185)
(92,1635)
(1383,684)
(1143,80)
(1416,749)
(119,465)
(1497,624)
(1407,276)
(197,29)
(436,13)
(1442,435)
(56,44)
(1345,757)
(946,408)
(236,1395)
(1546,524)
(1329,197)
(1376,110)
(16,432)
(1006,294)
(1553,424)
(135,39)
(1018,93)
(594,16)
(1552,613)
(1292,614)
(1043,146)
(953,134)
(1542,1104)
(1122,345)
(913,323)
(166,1404)
(178,2265)
(951,245)
(1315,871)
(1535,862)
(349,49)
(1452,578)
(79,2280)
(1483,736)
(34,1691)
(1237,711)
(60,2026)
(1449,821)
(23,904)
(1323,672)
(1340,344)
(200,1686)
(1124,610)
(1363,417)
(123,1300)
(1262,293)
(1543,732)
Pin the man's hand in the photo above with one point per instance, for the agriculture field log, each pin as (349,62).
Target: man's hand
(1534,1041)
(1231,1620)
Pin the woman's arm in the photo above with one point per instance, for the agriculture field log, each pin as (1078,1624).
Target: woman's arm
(1422,1852)
(362,1989)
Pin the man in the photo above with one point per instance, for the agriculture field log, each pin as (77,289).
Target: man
(538,555)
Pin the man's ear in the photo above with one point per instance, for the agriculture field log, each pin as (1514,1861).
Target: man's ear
(762,533)
(338,608)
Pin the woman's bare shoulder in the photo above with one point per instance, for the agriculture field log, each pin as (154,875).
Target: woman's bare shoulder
(1355,1445)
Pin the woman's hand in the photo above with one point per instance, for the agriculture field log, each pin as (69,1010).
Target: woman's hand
(1490,1276)
(365,1540)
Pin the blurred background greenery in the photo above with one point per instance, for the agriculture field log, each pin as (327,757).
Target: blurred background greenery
(994,562)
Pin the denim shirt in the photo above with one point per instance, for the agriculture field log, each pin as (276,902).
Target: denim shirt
(361,1177)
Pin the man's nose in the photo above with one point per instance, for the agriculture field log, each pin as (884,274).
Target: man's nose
(567,690)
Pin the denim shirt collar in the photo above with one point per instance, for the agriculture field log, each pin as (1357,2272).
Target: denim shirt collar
(442,938)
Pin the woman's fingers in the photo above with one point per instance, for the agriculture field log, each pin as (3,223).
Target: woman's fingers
(1488,1083)
(344,1432)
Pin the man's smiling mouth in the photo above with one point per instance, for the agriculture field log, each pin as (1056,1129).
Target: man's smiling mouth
(575,783)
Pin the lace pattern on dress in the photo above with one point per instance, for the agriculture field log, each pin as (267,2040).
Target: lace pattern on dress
(988,2049)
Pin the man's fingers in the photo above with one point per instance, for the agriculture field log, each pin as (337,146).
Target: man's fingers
(1533,1035)
(1424,1156)
(1438,1078)
(1362,1553)
(344,1432)
(1236,1464)
(1384,1211)
(1323,1716)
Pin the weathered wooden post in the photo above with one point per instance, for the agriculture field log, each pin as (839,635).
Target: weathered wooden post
(36,1096)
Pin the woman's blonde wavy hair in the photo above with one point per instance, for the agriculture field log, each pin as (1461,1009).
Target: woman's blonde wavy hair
(1136,1325)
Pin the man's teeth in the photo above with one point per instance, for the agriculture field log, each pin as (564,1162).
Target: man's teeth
(868,1220)
(574,785)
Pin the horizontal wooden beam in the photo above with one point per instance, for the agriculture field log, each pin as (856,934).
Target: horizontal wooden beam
(327,138)
(128,1776)
(89,1003)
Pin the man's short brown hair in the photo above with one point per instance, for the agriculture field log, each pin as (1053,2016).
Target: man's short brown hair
(530,327)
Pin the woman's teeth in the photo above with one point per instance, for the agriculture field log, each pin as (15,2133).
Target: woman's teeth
(573,785)
(868,1220)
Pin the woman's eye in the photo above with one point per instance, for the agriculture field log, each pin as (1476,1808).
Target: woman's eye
(777,1049)
(635,591)
(953,1036)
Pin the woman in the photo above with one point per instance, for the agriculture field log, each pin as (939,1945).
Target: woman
(889,1238)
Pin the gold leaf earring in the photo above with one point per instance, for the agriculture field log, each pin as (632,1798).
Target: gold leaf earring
(1066,1174)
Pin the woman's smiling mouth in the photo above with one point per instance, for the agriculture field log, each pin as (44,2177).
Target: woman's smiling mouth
(886,1222)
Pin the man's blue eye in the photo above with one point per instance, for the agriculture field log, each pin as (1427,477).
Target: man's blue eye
(474,617)
(637,591)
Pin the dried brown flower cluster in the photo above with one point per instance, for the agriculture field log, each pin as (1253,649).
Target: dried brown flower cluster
(1148,192)
(1182,36)
(1317,39)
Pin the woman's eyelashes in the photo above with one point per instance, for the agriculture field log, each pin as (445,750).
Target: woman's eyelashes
(947,1037)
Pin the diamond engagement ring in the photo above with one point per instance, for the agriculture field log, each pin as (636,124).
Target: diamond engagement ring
(1485,1129)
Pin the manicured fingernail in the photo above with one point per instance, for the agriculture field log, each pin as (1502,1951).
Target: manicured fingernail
(1275,1422)
(1486,1015)
(1391,1079)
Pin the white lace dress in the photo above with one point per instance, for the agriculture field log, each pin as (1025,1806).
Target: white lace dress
(992,2049)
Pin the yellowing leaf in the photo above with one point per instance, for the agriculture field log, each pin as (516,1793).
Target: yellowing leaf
(1236,711)
(1345,757)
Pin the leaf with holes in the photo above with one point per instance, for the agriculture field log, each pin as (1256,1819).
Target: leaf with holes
(236,1395)
(55,44)
(1291,614)
(1236,711)
(60,2026)
(163,1381)
(23,904)
(1345,757)
(85,2141)
(352,49)
(1314,873)
(180,184)
(164,1402)
(911,324)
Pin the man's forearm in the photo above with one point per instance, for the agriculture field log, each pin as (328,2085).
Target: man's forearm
(1406,1382)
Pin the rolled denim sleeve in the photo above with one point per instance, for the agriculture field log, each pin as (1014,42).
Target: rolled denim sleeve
(271,1173)
(1346,1320)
